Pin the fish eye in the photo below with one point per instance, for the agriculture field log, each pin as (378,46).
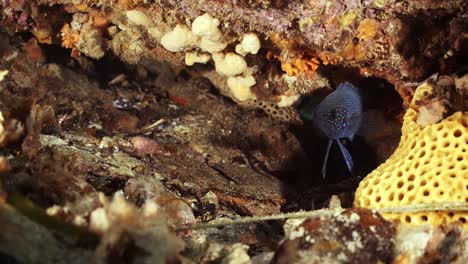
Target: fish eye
(332,114)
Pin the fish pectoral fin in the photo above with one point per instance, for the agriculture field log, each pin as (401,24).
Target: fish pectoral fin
(346,155)
(324,166)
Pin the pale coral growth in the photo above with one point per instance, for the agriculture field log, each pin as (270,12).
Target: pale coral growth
(54,210)
(432,104)
(286,100)
(114,212)
(238,255)
(413,241)
(79,220)
(250,44)
(431,113)
(230,64)
(3,73)
(131,51)
(192,57)
(98,221)
(150,208)
(139,18)
(211,46)
(122,224)
(83,35)
(420,244)
(179,39)
(206,26)
(168,210)
(240,87)
(91,42)
(203,34)
(10,130)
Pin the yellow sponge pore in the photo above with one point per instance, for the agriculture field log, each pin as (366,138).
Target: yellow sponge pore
(429,166)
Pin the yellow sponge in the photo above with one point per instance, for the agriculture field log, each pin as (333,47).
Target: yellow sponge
(429,166)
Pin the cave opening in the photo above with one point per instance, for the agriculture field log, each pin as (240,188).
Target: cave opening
(375,142)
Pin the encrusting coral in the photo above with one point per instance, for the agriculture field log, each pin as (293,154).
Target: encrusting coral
(429,166)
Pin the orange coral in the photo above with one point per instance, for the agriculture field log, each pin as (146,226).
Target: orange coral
(329,58)
(100,21)
(69,38)
(367,29)
(353,51)
(300,62)
(300,65)
(76,8)
(128,3)
(4,167)
(81,7)
(42,35)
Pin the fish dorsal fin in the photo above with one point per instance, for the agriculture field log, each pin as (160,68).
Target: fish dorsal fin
(346,86)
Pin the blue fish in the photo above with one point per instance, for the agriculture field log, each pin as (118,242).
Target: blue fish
(338,116)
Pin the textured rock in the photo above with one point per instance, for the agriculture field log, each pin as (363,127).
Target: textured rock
(351,236)
(395,40)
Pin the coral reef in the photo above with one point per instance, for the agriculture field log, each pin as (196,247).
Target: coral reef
(167,131)
(429,165)
(300,38)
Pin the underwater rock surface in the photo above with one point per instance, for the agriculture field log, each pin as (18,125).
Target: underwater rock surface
(147,131)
